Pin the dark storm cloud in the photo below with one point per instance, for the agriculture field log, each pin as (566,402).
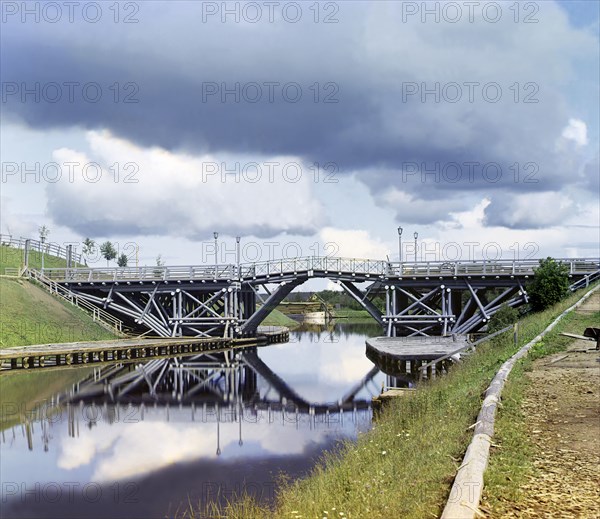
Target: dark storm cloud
(365,63)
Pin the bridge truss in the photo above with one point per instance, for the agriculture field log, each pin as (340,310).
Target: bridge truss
(422,298)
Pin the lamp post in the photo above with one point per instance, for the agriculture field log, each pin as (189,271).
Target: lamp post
(216,236)
(42,239)
(237,249)
(400,244)
(416,235)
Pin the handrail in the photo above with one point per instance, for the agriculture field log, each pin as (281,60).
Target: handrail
(312,264)
(97,314)
(50,248)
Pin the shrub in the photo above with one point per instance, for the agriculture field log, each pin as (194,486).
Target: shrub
(550,284)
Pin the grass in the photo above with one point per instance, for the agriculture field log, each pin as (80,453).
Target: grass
(29,315)
(11,257)
(347,313)
(277,318)
(511,461)
(404,466)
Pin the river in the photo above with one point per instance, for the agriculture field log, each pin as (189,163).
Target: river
(143,440)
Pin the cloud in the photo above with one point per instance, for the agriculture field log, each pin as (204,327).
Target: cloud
(531,211)
(352,244)
(120,187)
(368,64)
(576,131)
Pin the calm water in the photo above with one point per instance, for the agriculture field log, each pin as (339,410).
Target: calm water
(137,441)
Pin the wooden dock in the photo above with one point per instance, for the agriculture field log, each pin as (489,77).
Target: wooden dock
(93,352)
(413,355)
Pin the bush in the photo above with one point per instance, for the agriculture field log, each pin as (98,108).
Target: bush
(504,317)
(550,284)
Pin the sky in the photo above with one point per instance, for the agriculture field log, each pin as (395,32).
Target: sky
(303,128)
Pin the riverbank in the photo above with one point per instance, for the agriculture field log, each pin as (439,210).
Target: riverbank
(404,466)
(546,458)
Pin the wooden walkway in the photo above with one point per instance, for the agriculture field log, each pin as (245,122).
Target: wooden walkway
(411,355)
(81,353)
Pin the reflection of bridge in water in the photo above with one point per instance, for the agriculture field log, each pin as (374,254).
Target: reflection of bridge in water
(234,387)
(421,298)
(217,380)
(219,388)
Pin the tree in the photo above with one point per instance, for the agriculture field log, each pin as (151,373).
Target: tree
(504,317)
(159,263)
(550,284)
(122,261)
(108,251)
(44,232)
(88,246)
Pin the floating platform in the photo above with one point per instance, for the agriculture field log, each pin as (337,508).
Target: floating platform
(81,353)
(410,355)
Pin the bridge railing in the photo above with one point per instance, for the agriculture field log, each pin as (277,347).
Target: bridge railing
(320,265)
(487,267)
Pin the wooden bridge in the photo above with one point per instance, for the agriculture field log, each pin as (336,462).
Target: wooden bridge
(421,298)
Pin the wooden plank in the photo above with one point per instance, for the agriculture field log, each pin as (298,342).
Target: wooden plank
(97,346)
(408,348)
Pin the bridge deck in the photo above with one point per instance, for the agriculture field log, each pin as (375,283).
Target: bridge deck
(315,267)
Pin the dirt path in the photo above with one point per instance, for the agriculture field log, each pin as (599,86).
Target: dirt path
(563,406)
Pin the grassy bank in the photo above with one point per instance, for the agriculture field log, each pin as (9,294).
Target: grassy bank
(347,313)
(511,459)
(29,315)
(277,318)
(405,466)
(11,257)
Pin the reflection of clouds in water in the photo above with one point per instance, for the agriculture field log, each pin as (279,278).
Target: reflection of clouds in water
(319,371)
(123,450)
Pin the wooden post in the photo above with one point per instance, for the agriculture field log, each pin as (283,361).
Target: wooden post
(516,333)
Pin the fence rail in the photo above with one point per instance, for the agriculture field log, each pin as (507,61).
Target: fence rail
(316,265)
(50,248)
(98,314)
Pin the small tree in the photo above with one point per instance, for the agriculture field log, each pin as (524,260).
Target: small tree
(159,263)
(88,246)
(108,251)
(550,284)
(44,232)
(504,317)
(122,261)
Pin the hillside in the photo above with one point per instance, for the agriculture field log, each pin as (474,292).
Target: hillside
(29,315)
(11,257)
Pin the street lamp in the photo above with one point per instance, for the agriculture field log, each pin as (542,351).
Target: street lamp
(216,235)
(400,244)
(43,239)
(237,246)
(416,235)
